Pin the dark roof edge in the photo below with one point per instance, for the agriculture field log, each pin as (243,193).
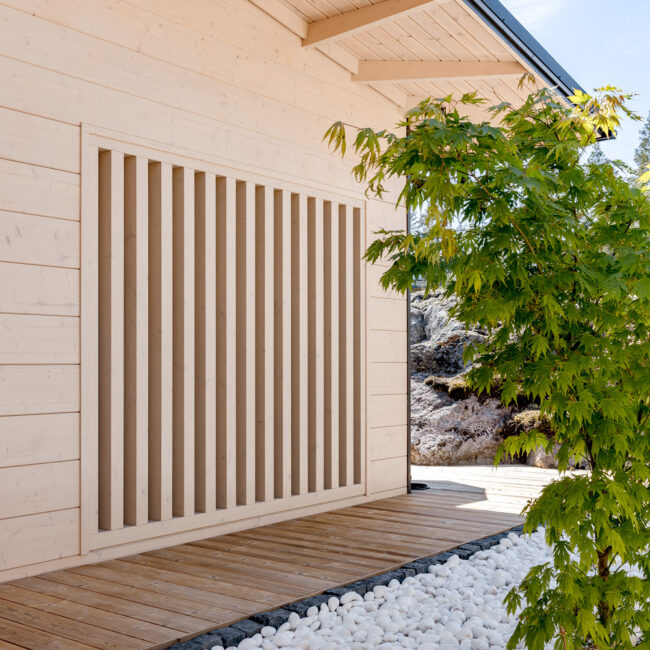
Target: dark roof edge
(497,17)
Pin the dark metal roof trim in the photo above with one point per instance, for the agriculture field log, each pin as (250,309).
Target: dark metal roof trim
(496,16)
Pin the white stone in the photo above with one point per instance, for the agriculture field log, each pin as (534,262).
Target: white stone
(452,562)
(283,639)
(267,631)
(349,597)
(333,603)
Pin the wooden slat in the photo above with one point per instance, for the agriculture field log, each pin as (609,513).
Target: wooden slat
(386,410)
(38,190)
(206,343)
(33,638)
(27,540)
(27,289)
(387,442)
(200,613)
(160,341)
(386,378)
(360,398)
(173,624)
(103,629)
(316,345)
(396,71)
(245,343)
(226,342)
(331,342)
(282,344)
(35,389)
(183,335)
(32,139)
(299,345)
(31,239)
(31,489)
(87,422)
(31,439)
(136,341)
(346,345)
(361,19)
(39,339)
(264,343)
(171,584)
(111,340)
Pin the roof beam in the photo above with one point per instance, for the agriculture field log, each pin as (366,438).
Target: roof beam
(395,71)
(350,22)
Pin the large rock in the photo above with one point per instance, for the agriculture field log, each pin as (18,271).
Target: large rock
(448,431)
(437,340)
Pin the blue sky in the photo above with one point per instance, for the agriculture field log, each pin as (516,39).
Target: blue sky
(598,42)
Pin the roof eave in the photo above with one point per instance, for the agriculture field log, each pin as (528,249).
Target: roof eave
(500,20)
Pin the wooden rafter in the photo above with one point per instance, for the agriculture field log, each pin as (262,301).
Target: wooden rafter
(395,71)
(336,27)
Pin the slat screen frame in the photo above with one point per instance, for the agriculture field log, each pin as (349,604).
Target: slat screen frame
(226,509)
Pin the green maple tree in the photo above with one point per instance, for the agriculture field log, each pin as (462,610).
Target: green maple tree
(550,254)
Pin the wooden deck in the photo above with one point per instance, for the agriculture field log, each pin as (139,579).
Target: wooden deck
(153,599)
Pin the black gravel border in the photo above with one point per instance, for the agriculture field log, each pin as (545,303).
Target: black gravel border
(234,634)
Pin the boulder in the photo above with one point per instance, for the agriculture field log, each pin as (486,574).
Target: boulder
(445,431)
(438,339)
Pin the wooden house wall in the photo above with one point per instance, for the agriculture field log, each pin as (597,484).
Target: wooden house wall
(223,82)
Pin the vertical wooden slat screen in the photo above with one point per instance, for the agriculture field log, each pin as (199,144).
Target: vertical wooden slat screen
(229,335)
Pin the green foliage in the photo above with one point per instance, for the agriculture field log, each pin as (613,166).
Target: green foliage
(642,152)
(551,256)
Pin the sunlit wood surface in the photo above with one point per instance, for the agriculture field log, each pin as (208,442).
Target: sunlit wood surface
(153,599)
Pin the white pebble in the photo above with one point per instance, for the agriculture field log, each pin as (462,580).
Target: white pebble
(455,606)
(283,639)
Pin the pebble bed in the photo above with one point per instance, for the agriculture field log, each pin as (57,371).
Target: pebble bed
(450,601)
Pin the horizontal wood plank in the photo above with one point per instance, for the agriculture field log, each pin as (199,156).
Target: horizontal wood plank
(26,289)
(31,439)
(38,141)
(38,190)
(32,489)
(38,339)
(39,389)
(31,239)
(26,540)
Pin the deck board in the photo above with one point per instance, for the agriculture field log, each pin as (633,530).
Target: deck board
(154,599)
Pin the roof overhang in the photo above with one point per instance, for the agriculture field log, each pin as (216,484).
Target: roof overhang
(411,49)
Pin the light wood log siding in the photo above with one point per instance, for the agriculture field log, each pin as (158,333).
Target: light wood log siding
(246,99)
(167,304)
